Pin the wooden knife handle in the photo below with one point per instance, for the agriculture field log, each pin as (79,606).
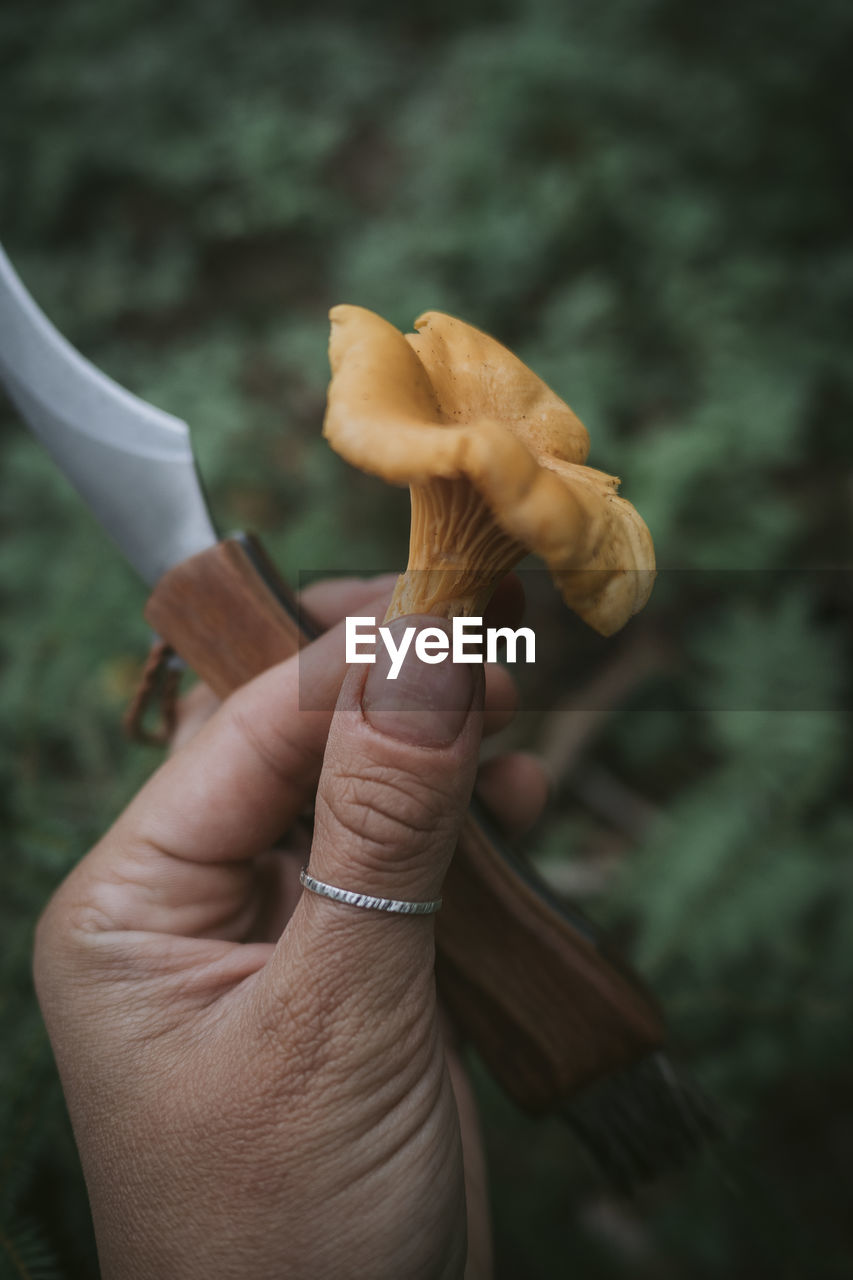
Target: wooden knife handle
(527,979)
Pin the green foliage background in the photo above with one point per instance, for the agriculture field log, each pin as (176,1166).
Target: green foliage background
(650,201)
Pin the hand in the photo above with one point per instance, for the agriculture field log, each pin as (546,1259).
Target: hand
(257,1078)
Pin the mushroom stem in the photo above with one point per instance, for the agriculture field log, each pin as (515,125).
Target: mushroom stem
(458,553)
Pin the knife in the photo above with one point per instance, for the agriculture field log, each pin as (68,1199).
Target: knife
(531,983)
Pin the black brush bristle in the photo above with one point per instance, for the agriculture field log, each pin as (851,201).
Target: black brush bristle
(643,1122)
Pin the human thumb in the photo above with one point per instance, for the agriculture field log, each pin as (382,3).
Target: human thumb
(397,776)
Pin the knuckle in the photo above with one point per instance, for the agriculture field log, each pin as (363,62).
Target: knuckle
(279,751)
(384,812)
(79,935)
(194,710)
(63,917)
(64,946)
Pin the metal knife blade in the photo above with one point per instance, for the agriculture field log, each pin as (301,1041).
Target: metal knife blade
(132,463)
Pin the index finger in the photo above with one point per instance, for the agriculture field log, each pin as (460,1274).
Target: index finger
(325,602)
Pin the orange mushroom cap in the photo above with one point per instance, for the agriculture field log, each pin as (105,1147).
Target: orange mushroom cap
(449,403)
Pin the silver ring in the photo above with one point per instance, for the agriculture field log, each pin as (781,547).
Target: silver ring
(366,900)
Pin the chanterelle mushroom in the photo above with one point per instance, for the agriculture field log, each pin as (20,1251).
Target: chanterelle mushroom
(494,461)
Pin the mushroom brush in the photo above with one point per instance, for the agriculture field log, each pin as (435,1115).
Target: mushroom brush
(495,464)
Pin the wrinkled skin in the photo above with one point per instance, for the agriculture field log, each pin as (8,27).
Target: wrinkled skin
(260,1080)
